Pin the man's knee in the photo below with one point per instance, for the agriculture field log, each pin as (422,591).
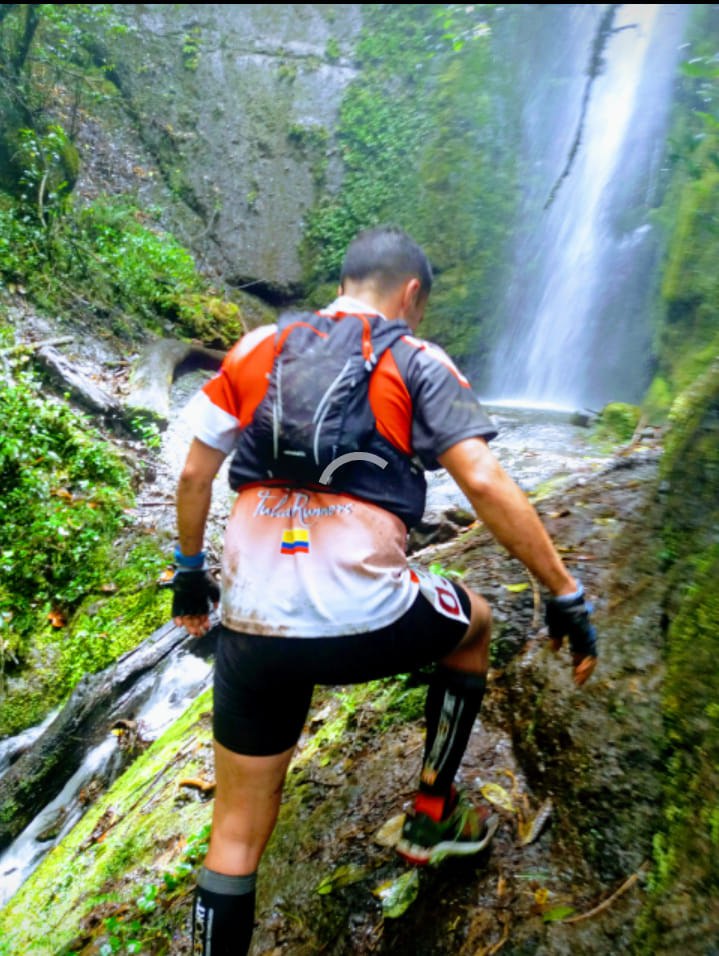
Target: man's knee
(480,624)
(472,653)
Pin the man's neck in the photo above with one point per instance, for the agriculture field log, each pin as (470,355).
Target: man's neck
(353,303)
(368,292)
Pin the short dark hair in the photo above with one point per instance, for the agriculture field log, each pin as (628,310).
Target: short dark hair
(387,255)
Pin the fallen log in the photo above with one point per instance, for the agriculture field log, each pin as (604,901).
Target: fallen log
(98,700)
(155,371)
(21,347)
(81,389)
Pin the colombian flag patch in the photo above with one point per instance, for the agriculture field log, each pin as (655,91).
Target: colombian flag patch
(295,541)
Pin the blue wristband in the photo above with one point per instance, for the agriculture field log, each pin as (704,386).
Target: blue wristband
(189,561)
(568,598)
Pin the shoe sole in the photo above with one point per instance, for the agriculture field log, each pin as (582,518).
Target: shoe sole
(421,855)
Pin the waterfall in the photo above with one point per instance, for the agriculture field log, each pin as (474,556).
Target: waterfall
(575,323)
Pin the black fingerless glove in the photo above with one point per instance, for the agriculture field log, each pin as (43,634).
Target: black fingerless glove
(568,616)
(195,592)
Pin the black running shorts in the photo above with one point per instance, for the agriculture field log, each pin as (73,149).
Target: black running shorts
(263,685)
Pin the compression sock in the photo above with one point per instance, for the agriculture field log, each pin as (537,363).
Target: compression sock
(452,703)
(223,914)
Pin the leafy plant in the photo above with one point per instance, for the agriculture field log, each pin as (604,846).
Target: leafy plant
(438,568)
(63,510)
(415,135)
(126,265)
(142,918)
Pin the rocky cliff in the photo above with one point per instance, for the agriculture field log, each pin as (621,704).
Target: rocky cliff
(230,115)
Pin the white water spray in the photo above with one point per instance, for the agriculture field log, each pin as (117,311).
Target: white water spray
(577,332)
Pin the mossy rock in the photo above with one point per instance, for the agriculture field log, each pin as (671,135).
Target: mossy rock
(657,401)
(685,417)
(222,321)
(617,422)
(686,866)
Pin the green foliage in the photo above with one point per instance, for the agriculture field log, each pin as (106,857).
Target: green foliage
(42,45)
(617,423)
(65,492)
(312,142)
(67,595)
(191,50)
(142,268)
(287,72)
(687,324)
(332,52)
(48,165)
(127,267)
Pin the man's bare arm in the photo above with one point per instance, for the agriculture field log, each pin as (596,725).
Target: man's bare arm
(503,507)
(194,494)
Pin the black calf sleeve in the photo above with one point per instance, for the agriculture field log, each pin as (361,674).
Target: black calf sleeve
(453,701)
(223,914)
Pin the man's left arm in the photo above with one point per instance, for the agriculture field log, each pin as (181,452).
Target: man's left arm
(503,507)
(193,591)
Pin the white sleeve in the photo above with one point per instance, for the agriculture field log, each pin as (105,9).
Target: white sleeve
(212,425)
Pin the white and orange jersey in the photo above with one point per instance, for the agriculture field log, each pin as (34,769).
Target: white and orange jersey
(309,562)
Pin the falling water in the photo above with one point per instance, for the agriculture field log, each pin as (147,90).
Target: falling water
(576,312)
(157,699)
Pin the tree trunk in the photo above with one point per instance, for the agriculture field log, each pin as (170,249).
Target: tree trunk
(97,702)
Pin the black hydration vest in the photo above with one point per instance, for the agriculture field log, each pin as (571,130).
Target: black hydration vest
(315,426)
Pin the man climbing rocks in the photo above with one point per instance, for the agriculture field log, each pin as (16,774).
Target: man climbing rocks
(332,419)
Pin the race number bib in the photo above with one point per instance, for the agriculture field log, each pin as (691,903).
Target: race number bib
(441,595)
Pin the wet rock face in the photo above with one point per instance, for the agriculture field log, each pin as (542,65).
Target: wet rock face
(235,105)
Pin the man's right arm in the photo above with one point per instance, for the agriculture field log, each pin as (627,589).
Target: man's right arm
(503,507)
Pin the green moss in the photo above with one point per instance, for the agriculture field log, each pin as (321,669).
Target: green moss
(617,423)
(43,916)
(287,72)
(222,321)
(657,401)
(685,417)
(686,857)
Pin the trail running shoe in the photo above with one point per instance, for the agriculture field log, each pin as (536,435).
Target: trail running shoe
(467,830)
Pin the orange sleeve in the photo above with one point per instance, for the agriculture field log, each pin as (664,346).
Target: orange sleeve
(242,380)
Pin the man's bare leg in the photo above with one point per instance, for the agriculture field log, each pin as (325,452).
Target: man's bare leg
(472,654)
(247,801)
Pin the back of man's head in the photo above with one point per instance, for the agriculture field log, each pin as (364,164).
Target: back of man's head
(386,256)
